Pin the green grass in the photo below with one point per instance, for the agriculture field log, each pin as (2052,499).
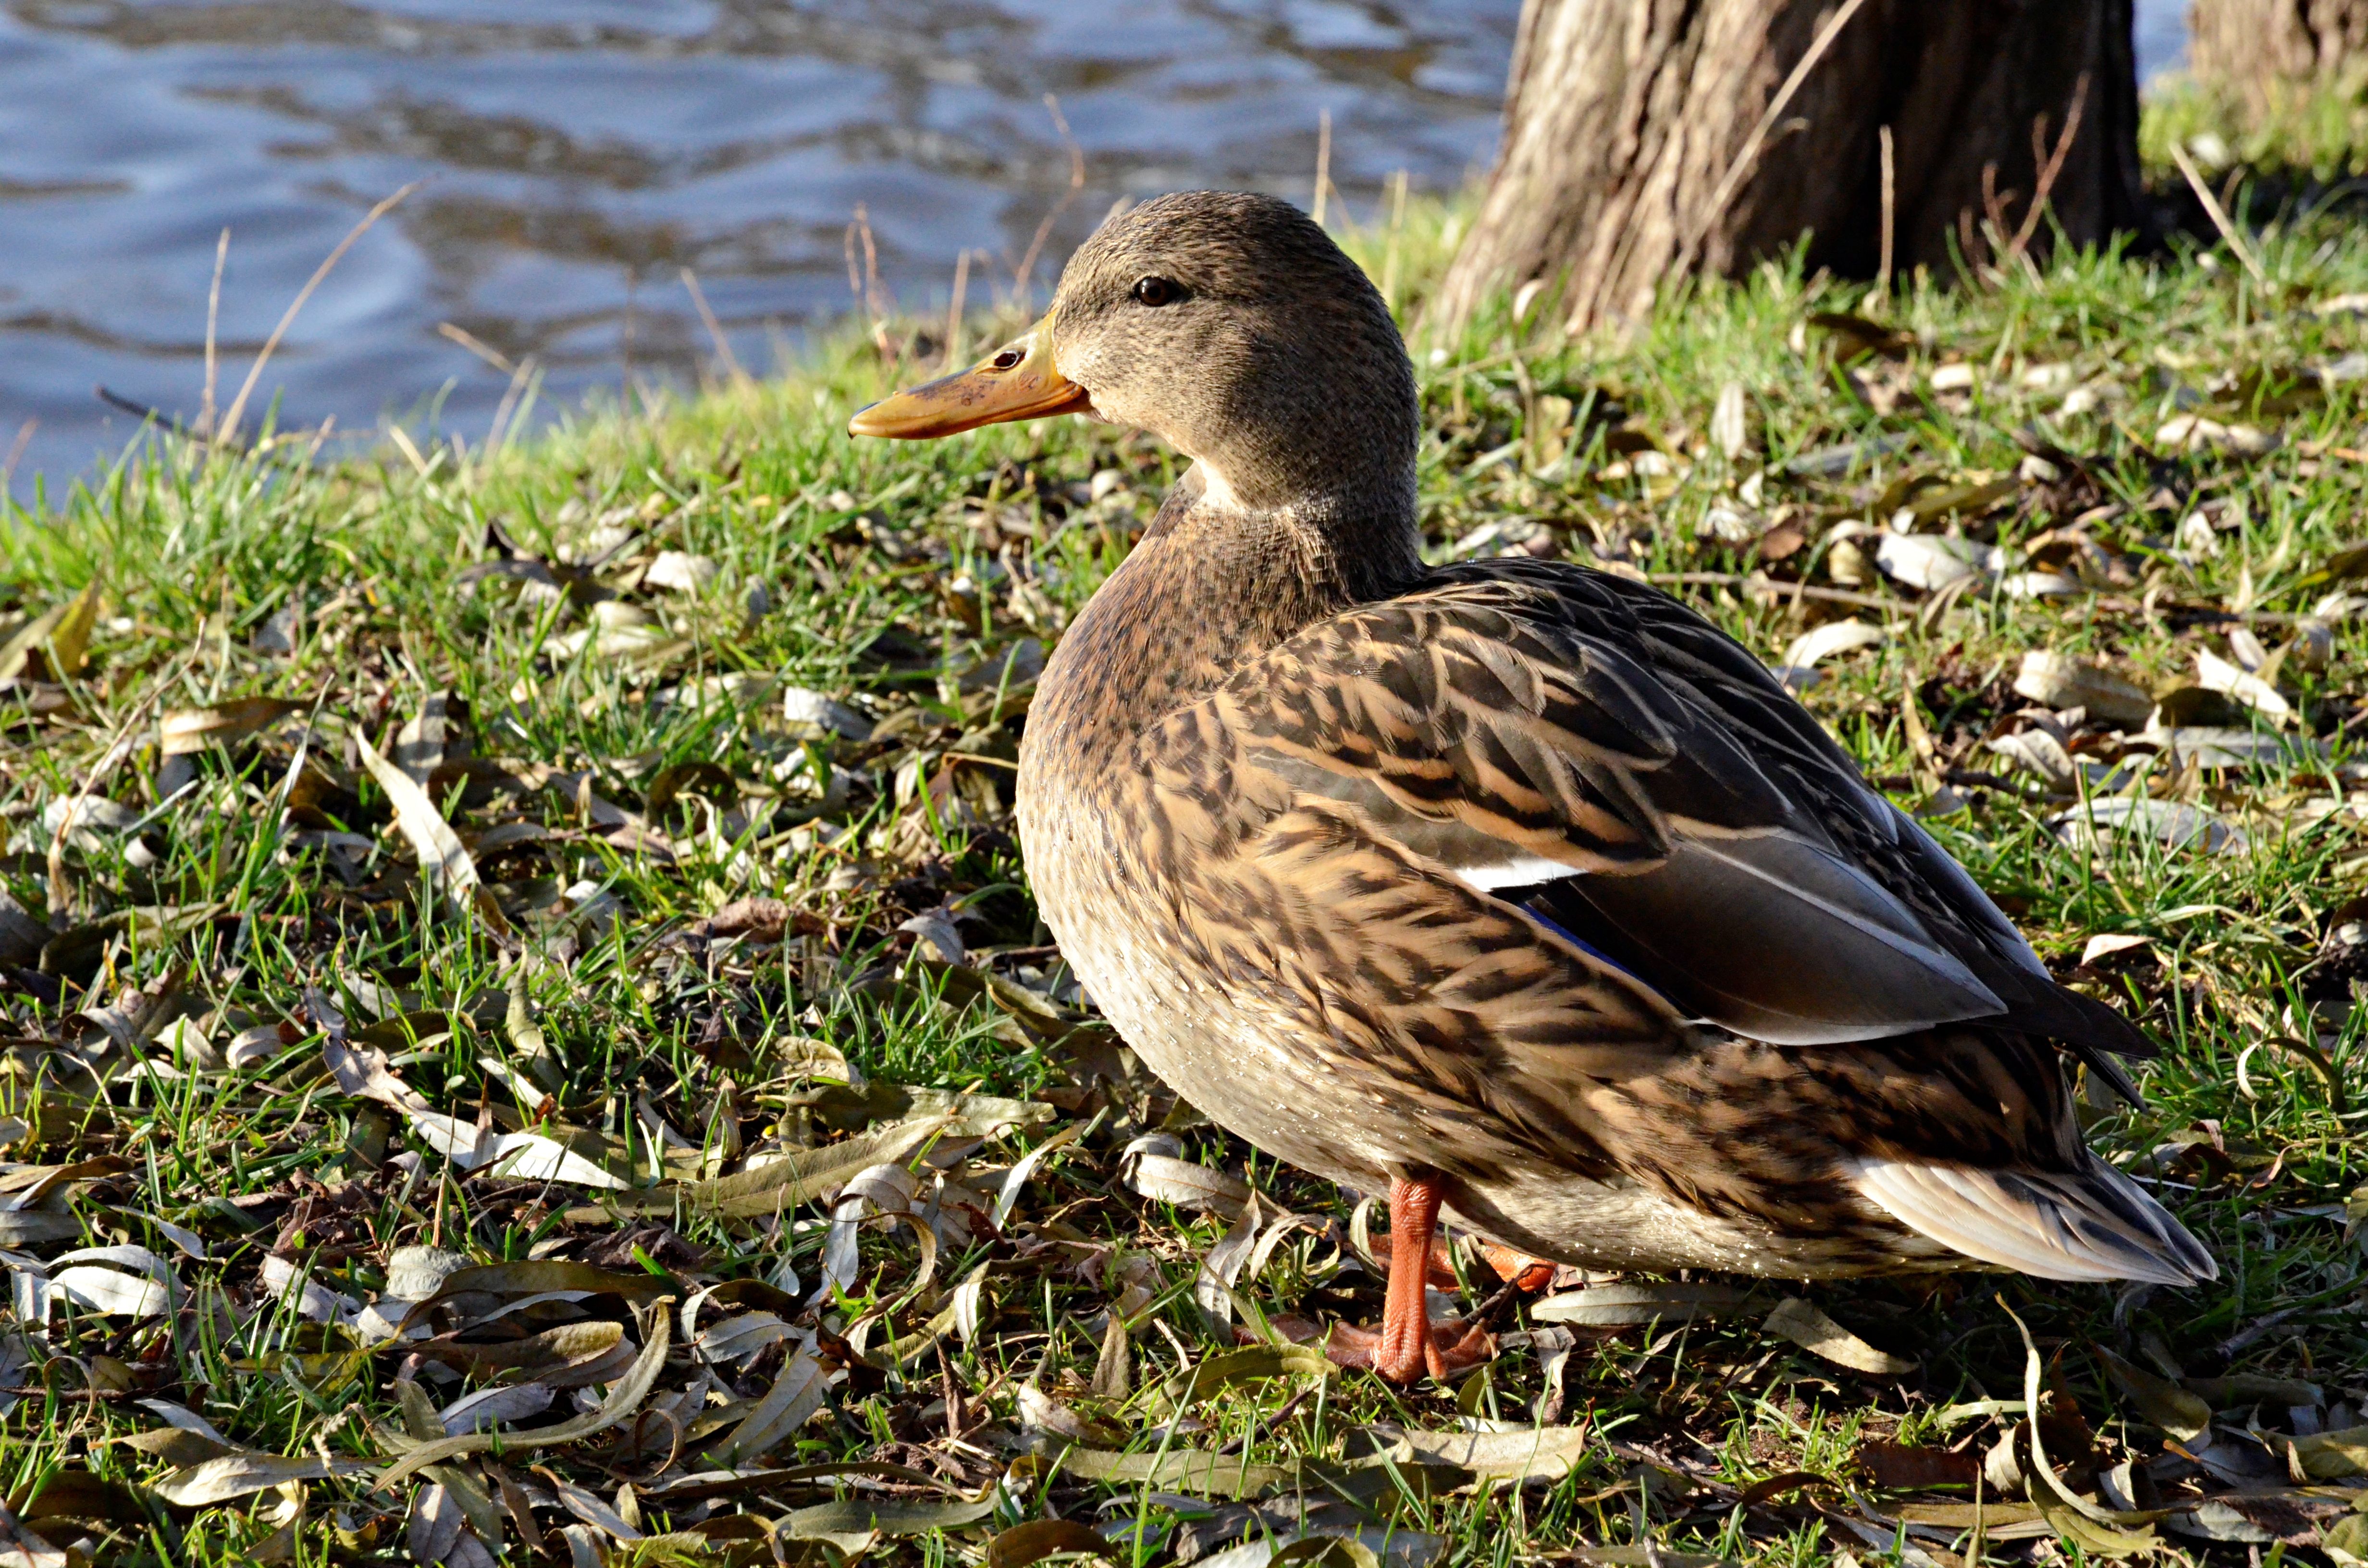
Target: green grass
(2311,133)
(629,743)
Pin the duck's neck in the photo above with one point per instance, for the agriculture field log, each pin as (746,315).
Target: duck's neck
(1210,588)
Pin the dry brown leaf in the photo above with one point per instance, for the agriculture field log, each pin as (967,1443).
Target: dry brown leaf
(1540,1452)
(2059,680)
(625,1396)
(1039,1539)
(68,623)
(2161,1401)
(185,731)
(1196,1472)
(362,1072)
(554,1349)
(2330,1456)
(783,1184)
(1812,1331)
(242,1475)
(1898,1467)
(442,859)
(1628,1306)
(796,1394)
(529,1156)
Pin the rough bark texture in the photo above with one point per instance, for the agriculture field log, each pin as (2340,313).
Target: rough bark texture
(1623,117)
(2257,48)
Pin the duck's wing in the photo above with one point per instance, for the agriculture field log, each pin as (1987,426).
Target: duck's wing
(1592,751)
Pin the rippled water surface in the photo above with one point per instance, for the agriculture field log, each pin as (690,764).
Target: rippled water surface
(578,157)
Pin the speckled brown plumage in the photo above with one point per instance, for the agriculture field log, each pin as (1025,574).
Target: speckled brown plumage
(1511,876)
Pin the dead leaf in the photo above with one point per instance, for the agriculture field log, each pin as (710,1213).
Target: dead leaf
(796,1394)
(567,1345)
(362,1072)
(2159,1400)
(1039,1539)
(185,731)
(110,1293)
(1834,637)
(859,1517)
(2106,944)
(1812,1331)
(493,1407)
(50,627)
(1153,1170)
(529,1156)
(1898,1467)
(442,859)
(2173,823)
(1256,1363)
(2213,673)
(535,1277)
(1524,1454)
(25,1548)
(242,1475)
(2058,680)
(1192,1471)
(2330,1455)
(1626,1306)
(625,1396)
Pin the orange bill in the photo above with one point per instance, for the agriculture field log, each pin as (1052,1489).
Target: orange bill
(1018,382)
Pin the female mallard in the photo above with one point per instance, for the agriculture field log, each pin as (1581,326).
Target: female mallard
(1512,884)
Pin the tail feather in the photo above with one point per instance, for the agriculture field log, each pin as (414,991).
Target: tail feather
(2094,1224)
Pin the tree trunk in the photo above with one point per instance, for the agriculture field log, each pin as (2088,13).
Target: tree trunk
(2258,49)
(1633,147)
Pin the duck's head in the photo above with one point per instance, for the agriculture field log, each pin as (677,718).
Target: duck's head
(1231,326)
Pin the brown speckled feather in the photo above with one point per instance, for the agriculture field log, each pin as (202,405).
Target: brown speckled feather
(1513,872)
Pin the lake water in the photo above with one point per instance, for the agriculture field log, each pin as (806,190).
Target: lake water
(576,157)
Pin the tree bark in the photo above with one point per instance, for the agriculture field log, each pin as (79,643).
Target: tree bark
(1634,150)
(2257,49)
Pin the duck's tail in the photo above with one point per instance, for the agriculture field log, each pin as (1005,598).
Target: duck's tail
(2093,1225)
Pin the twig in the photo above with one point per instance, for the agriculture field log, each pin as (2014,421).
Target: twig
(1323,163)
(163,420)
(1994,210)
(511,408)
(475,345)
(2051,166)
(954,308)
(2218,214)
(1044,230)
(213,314)
(15,451)
(625,336)
(715,330)
(1749,154)
(1390,248)
(288,319)
(875,298)
(1890,213)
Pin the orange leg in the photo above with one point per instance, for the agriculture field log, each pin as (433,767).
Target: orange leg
(1405,1347)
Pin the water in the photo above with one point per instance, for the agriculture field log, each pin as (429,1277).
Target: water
(2161,36)
(578,157)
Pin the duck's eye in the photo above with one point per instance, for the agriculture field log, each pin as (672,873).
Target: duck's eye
(1008,359)
(1156,291)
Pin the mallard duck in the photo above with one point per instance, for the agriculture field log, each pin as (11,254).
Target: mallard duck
(1513,887)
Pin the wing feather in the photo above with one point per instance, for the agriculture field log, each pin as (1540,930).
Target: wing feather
(1561,738)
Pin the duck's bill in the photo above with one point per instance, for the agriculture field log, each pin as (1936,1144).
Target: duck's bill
(1018,382)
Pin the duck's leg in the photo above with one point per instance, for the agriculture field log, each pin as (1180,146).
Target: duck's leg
(1405,1347)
